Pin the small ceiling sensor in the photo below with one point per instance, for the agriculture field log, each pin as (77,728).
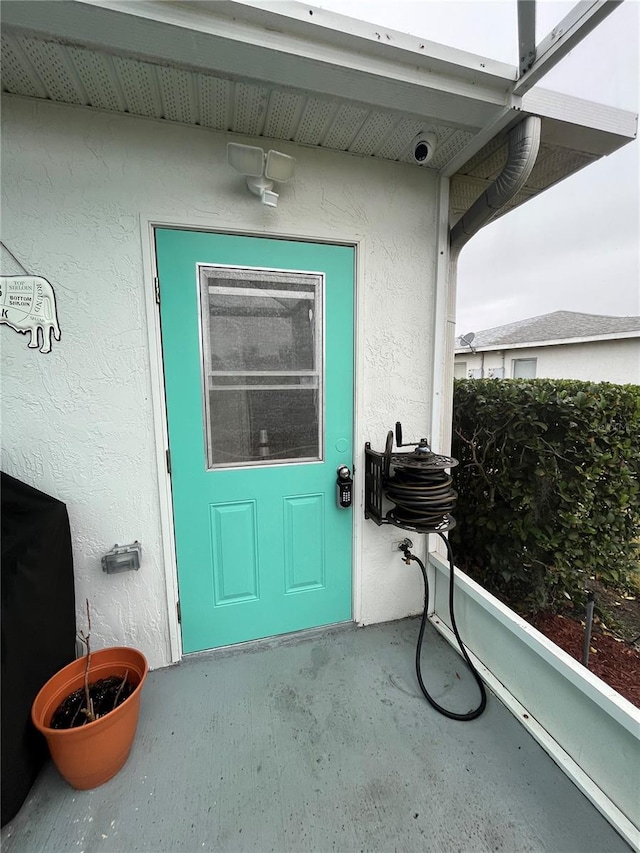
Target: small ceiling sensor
(261,169)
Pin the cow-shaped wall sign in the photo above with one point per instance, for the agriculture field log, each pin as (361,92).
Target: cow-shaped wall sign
(28,304)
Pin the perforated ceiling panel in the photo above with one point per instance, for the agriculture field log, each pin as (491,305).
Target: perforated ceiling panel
(215,101)
(489,166)
(495,147)
(373,133)
(178,95)
(98,78)
(450,143)
(345,126)
(315,121)
(463,192)
(283,114)
(18,76)
(54,67)
(250,108)
(396,145)
(139,86)
(553,164)
(475,176)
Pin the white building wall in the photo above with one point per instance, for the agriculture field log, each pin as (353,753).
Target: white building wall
(78,422)
(597,361)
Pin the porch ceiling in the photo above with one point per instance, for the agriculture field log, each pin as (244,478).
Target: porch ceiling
(75,75)
(224,65)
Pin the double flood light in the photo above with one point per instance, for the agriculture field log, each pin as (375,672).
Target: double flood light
(261,169)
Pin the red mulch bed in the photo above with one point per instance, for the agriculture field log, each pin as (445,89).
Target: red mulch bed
(616,663)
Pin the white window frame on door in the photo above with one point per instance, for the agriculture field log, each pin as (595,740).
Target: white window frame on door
(148,224)
(318,299)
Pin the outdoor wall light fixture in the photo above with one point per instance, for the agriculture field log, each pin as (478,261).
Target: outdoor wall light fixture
(261,169)
(122,558)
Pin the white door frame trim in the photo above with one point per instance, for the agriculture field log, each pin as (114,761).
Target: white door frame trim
(148,223)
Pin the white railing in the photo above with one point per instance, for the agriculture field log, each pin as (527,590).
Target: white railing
(589,730)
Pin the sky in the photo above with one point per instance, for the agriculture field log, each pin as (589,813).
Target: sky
(574,247)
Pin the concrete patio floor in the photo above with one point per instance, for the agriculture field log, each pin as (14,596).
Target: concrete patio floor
(319,742)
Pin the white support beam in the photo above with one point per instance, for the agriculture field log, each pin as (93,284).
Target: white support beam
(581,20)
(502,119)
(526,35)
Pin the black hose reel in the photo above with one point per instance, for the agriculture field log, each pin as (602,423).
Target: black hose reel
(420,491)
(417,484)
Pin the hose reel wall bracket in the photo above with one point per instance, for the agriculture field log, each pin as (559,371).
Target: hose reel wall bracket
(416,485)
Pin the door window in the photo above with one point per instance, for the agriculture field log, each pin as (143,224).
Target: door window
(262,355)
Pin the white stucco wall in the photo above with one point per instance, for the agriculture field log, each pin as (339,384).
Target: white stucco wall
(78,423)
(597,361)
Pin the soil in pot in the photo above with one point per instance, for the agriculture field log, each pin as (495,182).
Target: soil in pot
(106,694)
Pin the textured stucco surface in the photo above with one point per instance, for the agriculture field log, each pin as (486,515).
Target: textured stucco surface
(78,422)
(596,361)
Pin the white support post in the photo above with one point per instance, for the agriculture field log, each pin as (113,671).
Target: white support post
(526,35)
(440,369)
(443,341)
(581,20)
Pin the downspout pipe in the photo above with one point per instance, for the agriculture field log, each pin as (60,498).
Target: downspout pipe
(524,144)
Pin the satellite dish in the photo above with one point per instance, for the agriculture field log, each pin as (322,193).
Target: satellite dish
(467,340)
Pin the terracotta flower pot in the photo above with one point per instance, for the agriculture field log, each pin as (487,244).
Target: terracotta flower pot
(91,754)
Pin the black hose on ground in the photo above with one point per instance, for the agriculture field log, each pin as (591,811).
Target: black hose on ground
(471,715)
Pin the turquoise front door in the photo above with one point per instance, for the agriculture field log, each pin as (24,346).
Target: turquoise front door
(257,338)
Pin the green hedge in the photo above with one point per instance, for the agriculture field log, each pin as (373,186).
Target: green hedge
(548,486)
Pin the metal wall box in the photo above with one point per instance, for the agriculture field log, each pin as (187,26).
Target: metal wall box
(122,558)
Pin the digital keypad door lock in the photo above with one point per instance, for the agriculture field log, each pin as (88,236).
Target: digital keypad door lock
(344,487)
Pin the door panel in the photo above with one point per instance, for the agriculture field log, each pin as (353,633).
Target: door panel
(258,354)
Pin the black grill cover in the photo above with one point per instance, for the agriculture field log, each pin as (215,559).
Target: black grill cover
(38,624)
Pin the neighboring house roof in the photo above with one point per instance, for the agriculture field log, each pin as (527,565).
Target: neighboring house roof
(559,327)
